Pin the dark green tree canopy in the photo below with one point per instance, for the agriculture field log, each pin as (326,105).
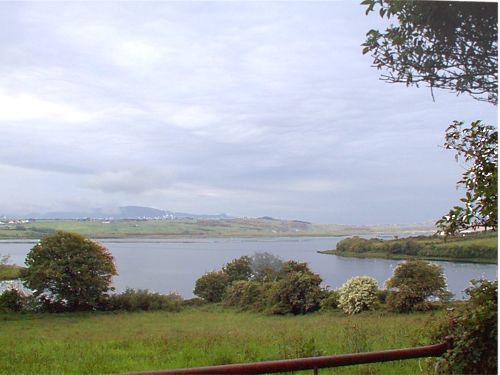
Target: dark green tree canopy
(69,270)
(445,44)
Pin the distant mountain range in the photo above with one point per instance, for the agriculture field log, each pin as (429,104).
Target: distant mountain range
(127,212)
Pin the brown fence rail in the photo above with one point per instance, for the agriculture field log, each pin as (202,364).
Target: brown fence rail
(312,363)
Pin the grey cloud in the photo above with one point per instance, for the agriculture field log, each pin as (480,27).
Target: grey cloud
(131,181)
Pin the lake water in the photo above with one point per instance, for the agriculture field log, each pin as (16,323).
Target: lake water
(174,265)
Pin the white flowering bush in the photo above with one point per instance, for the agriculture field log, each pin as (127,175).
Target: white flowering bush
(358,294)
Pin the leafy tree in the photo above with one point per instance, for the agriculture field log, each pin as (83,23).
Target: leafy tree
(238,269)
(358,294)
(474,330)
(445,44)
(212,285)
(266,266)
(413,283)
(477,145)
(297,290)
(69,270)
(448,45)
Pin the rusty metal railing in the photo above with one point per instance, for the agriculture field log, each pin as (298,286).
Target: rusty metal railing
(311,363)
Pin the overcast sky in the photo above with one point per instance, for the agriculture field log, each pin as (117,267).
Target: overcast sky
(246,108)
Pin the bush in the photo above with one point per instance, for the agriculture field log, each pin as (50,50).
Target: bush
(212,286)
(413,283)
(12,300)
(247,295)
(69,271)
(297,291)
(358,294)
(238,269)
(266,267)
(330,300)
(144,300)
(474,330)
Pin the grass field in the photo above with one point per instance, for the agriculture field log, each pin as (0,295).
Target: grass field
(95,343)
(193,228)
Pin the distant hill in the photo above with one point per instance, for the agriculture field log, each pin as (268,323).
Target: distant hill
(126,212)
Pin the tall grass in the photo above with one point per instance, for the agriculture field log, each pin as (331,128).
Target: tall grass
(121,342)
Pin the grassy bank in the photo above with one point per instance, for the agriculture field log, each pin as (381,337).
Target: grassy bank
(95,343)
(246,227)
(477,248)
(9,272)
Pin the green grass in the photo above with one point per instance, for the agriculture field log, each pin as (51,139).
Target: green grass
(190,228)
(9,272)
(97,343)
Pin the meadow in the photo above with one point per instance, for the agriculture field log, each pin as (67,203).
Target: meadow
(95,343)
(239,227)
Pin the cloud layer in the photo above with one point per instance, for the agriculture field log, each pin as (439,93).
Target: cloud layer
(251,108)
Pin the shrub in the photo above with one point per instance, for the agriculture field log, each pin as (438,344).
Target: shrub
(212,285)
(247,295)
(330,300)
(266,267)
(12,300)
(238,269)
(297,291)
(135,300)
(358,294)
(413,283)
(474,330)
(69,271)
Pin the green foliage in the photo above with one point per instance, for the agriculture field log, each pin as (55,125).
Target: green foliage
(69,271)
(297,291)
(444,44)
(238,269)
(142,300)
(478,146)
(413,283)
(358,294)
(330,300)
(474,332)
(12,300)
(247,295)
(266,266)
(481,247)
(212,286)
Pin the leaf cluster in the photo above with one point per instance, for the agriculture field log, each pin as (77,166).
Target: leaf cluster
(477,145)
(445,44)
(474,331)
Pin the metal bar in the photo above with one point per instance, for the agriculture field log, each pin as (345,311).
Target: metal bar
(310,363)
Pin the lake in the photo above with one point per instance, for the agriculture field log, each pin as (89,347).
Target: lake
(174,265)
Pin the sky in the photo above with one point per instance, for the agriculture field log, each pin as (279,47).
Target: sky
(246,108)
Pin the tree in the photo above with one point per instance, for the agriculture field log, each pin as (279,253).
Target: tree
(445,44)
(448,45)
(477,145)
(413,283)
(212,285)
(358,294)
(297,290)
(69,270)
(266,266)
(238,269)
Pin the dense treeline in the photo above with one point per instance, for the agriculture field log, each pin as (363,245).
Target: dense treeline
(474,247)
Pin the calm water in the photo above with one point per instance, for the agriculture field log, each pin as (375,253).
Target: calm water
(174,265)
